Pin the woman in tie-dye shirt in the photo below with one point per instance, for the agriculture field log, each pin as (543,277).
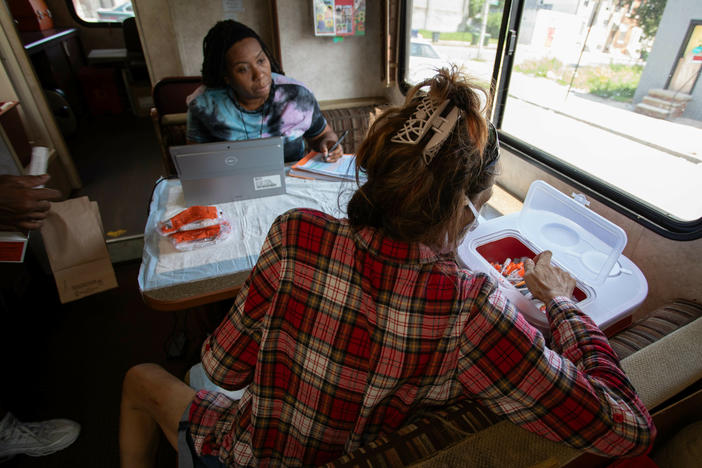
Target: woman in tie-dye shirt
(245,96)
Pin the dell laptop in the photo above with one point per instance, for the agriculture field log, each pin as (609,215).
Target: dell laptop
(227,171)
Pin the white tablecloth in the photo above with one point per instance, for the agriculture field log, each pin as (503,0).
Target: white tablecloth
(162,265)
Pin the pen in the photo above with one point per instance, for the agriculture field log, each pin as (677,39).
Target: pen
(338,142)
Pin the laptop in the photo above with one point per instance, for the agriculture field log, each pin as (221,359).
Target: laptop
(227,171)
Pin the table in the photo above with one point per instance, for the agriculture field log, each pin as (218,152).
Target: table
(171,280)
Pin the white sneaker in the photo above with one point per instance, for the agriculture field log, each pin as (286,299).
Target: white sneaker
(37,438)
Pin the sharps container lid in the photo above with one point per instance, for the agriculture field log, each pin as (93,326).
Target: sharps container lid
(582,241)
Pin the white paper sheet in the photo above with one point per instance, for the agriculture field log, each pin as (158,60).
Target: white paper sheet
(163,265)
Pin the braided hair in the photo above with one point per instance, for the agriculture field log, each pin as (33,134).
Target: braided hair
(218,41)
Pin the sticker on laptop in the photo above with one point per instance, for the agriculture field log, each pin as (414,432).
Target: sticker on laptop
(267,182)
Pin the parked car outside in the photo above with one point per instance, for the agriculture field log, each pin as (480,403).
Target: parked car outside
(424,60)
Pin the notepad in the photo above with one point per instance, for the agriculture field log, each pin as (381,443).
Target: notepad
(313,166)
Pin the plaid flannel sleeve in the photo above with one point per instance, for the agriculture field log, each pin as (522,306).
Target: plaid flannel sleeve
(229,355)
(575,394)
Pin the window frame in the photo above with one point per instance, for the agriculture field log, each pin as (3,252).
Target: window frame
(613,197)
(88,24)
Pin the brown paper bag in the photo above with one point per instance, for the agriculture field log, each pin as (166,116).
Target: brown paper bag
(76,249)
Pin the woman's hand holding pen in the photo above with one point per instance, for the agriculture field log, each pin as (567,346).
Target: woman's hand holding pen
(336,151)
(334,154)
(329,144)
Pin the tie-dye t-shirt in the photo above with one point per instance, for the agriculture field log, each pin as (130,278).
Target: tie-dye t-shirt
(291,111)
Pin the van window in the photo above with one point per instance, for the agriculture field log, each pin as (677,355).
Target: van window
(101,11)
(606,91)
(449,32)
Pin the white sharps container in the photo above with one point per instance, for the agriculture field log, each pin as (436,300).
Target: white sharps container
(589,247)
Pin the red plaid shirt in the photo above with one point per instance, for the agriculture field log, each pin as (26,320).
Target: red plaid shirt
(340,334)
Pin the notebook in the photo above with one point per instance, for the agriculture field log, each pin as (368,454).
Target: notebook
(227,171)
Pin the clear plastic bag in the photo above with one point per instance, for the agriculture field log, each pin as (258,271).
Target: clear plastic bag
(190,239)
(195,217)
(195,227)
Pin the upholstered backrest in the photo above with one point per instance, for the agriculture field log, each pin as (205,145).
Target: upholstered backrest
(356,120)
(660,323)
(428,432)
(169,113)
(170,93)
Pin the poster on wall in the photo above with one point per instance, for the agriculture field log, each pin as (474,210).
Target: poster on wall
(232,8)
(339,17)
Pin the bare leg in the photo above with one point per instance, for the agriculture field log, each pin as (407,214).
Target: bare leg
(151,397)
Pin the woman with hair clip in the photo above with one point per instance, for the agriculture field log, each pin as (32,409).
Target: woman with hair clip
(346,327)
(246,96)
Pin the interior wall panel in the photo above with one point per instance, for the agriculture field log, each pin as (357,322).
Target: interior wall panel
(158,38)
(319,61)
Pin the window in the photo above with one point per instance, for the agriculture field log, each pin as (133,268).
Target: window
(593,89)
(449,32)
(101,11)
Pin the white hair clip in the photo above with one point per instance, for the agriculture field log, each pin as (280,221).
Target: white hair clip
(428,116)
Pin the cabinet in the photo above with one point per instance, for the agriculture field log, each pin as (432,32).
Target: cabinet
(57,56)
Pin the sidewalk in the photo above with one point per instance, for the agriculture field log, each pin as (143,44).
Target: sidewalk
(677,139)
(674,138)
(654,160)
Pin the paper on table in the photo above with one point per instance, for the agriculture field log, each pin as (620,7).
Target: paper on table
(311,176)
(163,265)
(250,224)
(313,165)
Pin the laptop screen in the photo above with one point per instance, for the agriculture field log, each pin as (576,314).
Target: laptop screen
(227,171)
